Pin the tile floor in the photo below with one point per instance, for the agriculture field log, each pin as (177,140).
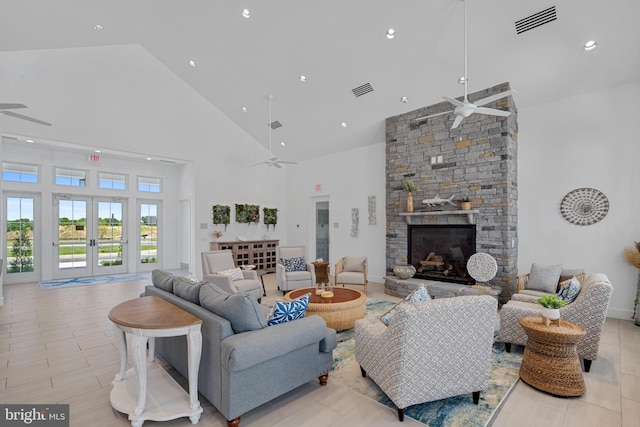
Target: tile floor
(57,346)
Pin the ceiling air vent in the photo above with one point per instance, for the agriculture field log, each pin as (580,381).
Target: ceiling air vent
(361,90)
(275,124)
(535,20)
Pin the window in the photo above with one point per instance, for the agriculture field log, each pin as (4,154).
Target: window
(148,184)
(19,172)
(71,177)
(113,181)
(20,229)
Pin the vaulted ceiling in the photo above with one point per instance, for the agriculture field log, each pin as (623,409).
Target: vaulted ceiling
(337,45)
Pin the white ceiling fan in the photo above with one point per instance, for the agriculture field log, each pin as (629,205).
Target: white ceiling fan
(6,106)
(273,161)
(464,108)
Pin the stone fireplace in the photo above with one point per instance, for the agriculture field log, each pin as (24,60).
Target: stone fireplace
(477,160)
(440,252)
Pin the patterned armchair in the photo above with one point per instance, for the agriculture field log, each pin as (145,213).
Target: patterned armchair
(431,349)
(589,310)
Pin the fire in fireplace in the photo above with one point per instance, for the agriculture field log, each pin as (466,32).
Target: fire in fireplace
(440,252)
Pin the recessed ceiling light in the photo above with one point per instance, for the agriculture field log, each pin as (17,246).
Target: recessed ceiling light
(590,45)
(97,27)
(391,33)
(282,143)
(30,141)
(192,63)
(303,79)
(462,80)
(343,124)
(98,151)
(246,13)
(244,109)
(148,158)
(404,99)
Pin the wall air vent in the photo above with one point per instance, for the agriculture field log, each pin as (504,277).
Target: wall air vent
(361,90)
(535,20)
(275,124)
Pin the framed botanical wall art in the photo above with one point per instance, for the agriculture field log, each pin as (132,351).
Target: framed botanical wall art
(270,217)
(221,214)
(246,214)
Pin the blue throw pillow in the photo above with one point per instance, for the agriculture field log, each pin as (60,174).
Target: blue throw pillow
(569,291)
(419,294)
(286,311)
(294,264)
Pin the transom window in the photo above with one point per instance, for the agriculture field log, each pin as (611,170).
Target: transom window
(114,181)
(71,177)
(19,172)
(149,184)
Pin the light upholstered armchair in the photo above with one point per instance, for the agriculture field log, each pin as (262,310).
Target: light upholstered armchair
(293,271)
(218,268)
(431,349)
(544,280)
(351,270)
(588,310)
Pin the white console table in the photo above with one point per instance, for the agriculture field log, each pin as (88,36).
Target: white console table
(150,393)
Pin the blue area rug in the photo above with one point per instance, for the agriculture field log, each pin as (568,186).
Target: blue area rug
(454,411)
(85,281)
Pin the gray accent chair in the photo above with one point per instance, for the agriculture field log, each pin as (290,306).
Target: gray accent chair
(215,261)
(588,310)
(291,280)
(431,350)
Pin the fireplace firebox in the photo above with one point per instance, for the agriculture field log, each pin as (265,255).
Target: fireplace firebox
(440,252)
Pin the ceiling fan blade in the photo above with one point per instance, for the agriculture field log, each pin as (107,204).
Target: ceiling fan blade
(490,99)
(453,101)
(492,112)
(276,164)
(417,119)
(11,106)
(20,116)
(457,121)
(256,164)
(273,159)
(288,163)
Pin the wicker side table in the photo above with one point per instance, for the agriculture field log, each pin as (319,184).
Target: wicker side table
(550,362)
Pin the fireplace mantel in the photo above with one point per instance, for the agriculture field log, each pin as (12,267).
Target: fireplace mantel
(469,213)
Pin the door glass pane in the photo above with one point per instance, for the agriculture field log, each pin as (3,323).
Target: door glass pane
(148,233)
(72,233)
(20,227)
(109,233)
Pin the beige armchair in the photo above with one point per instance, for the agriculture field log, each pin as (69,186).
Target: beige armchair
(431,350)
(298,273)
(589,310)
(351,270)
(215,262)
(544,282)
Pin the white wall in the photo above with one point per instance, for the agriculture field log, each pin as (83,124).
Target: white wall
(347,179)
(122,98)
(585,141)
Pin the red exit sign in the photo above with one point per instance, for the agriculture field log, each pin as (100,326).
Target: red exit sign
(94,158)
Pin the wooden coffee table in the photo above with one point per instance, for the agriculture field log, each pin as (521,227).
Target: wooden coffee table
(550,361)
(340,312)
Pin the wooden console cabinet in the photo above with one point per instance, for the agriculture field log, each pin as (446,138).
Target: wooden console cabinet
(261,253)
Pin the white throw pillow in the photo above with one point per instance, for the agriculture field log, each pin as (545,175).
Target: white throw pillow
(354,263)
(235,273)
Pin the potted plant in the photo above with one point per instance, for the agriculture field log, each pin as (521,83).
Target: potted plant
(632,255)
(551,305)
(409,186)
(465,203)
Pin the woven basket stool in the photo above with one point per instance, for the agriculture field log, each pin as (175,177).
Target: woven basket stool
(550,362)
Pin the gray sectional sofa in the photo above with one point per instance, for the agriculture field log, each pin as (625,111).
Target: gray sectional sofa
(244,362)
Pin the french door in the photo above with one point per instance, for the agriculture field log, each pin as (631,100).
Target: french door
(89,236)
